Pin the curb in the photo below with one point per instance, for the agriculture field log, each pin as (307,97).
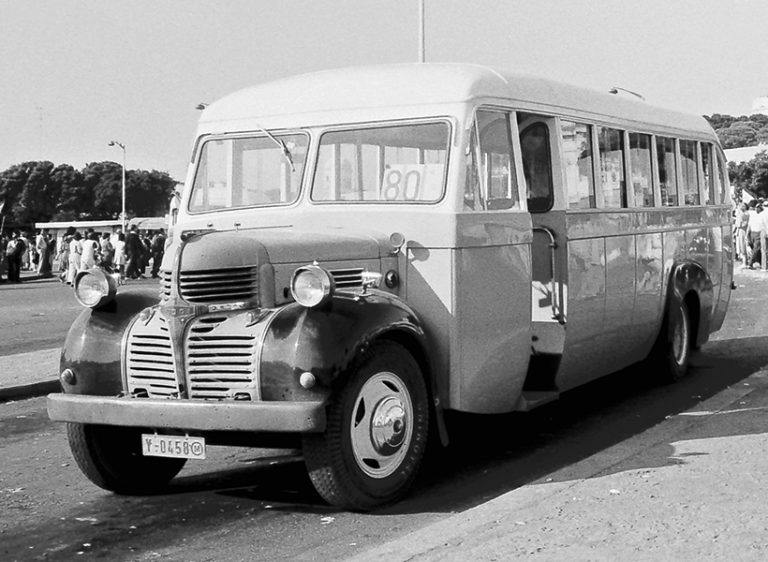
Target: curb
(31,390)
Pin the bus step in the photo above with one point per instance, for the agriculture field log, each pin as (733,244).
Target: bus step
(531,399)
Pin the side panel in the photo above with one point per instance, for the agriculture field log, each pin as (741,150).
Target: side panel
(585,348)
(493,310)
(648,302)
(620,324)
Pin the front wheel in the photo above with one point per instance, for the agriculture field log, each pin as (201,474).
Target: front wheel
(111,458)
(376,432)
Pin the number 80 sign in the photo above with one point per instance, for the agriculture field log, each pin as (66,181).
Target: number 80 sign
(411,182)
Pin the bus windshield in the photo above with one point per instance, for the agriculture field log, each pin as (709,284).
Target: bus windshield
(249,171)
(392,163)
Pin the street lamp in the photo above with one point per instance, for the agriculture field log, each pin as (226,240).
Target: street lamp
(122,215)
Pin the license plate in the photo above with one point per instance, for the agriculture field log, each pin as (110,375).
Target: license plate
(174,446)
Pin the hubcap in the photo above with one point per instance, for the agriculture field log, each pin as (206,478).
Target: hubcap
(381,426)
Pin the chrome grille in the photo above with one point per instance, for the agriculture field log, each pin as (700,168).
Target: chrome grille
(218,285)
(220,354)
(166,279)
(348,278)
(150,360)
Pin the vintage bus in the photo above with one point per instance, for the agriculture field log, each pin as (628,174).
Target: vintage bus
(358,252)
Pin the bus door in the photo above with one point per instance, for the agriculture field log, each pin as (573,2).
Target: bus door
(540,153)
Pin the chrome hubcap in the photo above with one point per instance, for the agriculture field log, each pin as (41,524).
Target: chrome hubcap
(381,425)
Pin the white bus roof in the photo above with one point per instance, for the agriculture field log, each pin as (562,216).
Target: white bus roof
(410,85)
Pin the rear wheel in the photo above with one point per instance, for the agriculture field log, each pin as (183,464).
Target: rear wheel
(111,458)
(672,353)
(376,432)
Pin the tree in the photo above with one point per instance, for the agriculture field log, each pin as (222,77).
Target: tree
(41,192)
(72,196)
(39,196)
(150,192)
(752,175)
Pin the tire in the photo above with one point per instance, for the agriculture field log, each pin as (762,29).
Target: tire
(376,432)
(111,458)
(672,353)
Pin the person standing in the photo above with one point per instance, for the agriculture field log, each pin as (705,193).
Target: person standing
(44,252)
(14,252)
(64,257)
(107,252)
(755,227)
(158,249)
(120,256)
(90,251)
(133,249)
(75,251)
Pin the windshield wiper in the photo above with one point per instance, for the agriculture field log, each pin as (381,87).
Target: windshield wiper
(281,143)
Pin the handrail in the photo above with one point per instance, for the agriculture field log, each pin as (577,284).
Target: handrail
(557,295)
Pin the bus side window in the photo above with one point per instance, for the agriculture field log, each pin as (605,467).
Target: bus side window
(665,157)
(613,183)
(688,169)
(497,168)
(722,181)
(537,166)
(707,175)
(577,153)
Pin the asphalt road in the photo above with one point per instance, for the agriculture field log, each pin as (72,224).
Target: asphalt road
(246,504)
(36,314)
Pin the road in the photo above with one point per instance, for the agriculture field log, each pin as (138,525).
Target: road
(247,504)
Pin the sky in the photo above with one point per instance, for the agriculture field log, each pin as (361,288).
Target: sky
(75,74)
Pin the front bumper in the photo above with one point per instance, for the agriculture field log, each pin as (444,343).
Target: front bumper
(201,415)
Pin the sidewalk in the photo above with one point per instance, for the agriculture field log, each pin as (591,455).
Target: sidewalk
(25,375)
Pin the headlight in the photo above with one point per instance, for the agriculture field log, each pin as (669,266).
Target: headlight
(311,285)
(94,288)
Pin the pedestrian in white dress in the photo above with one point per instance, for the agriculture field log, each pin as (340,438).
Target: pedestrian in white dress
(75,251)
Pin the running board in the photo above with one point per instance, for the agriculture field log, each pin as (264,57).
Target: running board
(534,398)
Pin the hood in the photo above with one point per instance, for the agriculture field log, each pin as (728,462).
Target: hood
(214,250)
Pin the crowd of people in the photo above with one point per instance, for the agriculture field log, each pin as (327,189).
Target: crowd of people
(129,255)
(751,222)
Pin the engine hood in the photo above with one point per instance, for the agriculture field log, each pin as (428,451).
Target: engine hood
(222,249)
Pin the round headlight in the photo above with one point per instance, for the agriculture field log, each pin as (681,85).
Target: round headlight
(311,285)
(94,288)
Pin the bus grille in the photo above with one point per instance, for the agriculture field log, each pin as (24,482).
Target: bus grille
(150,361)
(166,278)
(218,285)
(348,278)
(221,357)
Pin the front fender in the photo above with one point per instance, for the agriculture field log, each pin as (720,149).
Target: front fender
(326,340)
(93,345)
(690,277)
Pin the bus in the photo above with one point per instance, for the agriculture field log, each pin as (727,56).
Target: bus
(359,252)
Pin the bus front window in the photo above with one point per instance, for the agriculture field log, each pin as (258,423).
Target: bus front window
(383,164)
(249,171)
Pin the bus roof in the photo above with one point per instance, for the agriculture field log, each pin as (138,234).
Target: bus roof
(419,84)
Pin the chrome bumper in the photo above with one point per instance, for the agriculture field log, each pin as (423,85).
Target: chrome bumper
(202,415)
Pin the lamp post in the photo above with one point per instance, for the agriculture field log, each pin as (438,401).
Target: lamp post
(122,215)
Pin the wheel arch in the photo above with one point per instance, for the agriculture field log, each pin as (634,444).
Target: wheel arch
(690,283)
(326,341)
